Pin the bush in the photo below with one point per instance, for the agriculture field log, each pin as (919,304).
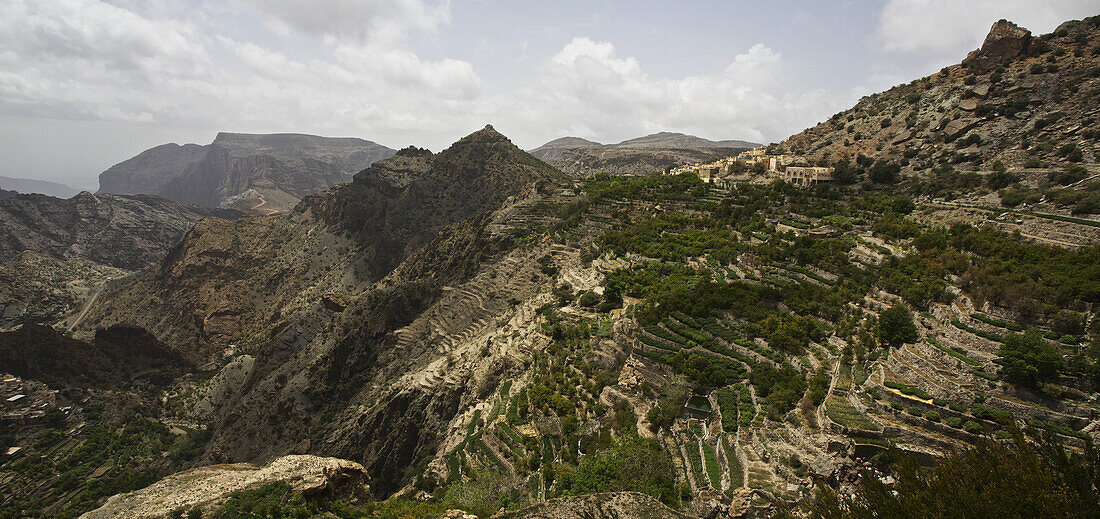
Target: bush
(1027,359)
(972,427)
(632,464)
(954,421)
(588,299)
(932,416)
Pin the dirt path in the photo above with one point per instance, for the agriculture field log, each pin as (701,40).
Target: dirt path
(256,208)
(88,305)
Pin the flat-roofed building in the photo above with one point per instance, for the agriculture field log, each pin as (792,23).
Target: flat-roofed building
(807,176)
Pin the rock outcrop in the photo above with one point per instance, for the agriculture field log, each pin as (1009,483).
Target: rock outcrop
(208,487)
(258,173)
(974,114)
(1004,42)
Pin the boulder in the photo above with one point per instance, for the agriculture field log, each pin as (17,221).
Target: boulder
(958,127)
(209,487)
(1005,41)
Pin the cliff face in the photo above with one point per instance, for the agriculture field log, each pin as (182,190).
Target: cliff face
(260,173)
(128,232)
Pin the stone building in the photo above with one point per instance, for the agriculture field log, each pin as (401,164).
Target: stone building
(807,176)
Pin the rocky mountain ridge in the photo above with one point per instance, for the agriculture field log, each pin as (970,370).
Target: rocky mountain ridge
(258,173)
(35,186)
(638,156)
(1028,104)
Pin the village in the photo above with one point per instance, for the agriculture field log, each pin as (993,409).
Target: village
(758,161)
(24,401)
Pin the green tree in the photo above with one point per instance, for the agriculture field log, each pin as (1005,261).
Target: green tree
(1028,359)
(895,326)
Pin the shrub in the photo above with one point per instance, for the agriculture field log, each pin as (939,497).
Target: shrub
(954,421)
(972,427)
(1027,359)
(932,416)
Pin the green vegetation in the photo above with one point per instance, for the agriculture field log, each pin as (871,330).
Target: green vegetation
(908,390)
(994,480)
(727,403)
(274,500)
(1028,359)
(957,354)
(842,412)
(895,326)
(711,460)
(735,469)
(633,464)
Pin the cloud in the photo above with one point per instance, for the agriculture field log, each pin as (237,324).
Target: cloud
(379,20)
(95,61)
(946,30)
(590,91)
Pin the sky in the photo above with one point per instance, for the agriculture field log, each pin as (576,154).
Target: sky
(85,84)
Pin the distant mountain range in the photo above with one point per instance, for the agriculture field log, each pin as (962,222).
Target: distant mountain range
(639,156)
(30,185)
(255,173)
(553,150)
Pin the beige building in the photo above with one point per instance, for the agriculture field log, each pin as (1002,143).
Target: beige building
(807,176)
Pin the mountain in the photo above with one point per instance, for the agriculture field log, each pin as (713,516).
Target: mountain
(1016,118)
(638,156)
(37,288)
(336,301)
(484,334)
(552,150)
(680,140)
(5,194)
(44,187)
(128,232)
(256,173)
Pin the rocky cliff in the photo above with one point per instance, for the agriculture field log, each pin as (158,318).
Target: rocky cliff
(259,173)
(128,232)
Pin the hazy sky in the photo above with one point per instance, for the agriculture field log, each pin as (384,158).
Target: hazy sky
(85,84)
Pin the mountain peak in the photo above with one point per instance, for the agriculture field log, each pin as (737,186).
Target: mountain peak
(486,135)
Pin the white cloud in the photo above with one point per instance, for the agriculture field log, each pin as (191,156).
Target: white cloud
(91,60)
(590,91)
(948,29)
(383,20)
